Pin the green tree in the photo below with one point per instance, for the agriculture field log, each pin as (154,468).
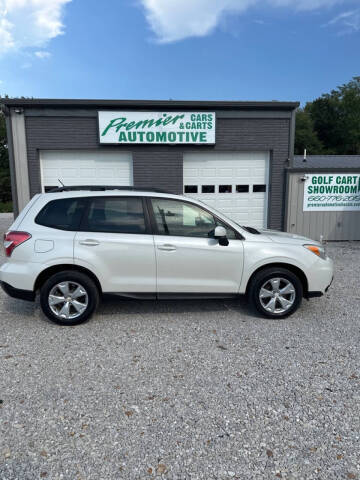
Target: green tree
(336,119)
(348,97)
(306,137)
(5,185)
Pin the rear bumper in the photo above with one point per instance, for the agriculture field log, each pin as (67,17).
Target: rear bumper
(21,274)
(28,295)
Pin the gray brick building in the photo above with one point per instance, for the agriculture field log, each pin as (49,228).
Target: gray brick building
(232,155)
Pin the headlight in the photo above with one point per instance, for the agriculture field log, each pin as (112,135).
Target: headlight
(319,251)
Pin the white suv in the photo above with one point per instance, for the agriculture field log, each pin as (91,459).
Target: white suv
(74,244)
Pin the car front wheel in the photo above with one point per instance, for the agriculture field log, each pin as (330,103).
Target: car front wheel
(69,298)
(276,292)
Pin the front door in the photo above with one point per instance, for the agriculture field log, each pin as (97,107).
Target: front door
(188,259)
(116,244)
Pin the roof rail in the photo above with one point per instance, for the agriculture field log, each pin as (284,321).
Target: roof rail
(102,188)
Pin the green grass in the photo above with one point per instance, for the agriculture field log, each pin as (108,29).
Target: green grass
(6,207)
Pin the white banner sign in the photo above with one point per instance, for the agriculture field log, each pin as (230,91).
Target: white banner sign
(157,127)
(332,192)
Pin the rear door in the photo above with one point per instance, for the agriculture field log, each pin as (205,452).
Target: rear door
(115,242)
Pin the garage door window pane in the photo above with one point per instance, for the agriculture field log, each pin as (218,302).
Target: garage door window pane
(225,188)
(259,188)
(64,214)
(182,219)
(242,188)
(208,189)
(115,215)
(191,189)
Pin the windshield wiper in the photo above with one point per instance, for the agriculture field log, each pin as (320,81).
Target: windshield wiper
(251,230)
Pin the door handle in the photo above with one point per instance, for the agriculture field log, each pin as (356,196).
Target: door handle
(89,243)
(167,247)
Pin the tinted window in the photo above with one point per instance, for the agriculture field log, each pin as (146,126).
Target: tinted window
(115,215)
(63,214)
(183,219)
(242,188)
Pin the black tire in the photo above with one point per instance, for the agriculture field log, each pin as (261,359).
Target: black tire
(91,299)
(262,277)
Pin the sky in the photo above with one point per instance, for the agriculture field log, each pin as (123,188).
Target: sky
(289,50)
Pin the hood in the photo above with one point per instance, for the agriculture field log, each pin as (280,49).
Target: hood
(285,237)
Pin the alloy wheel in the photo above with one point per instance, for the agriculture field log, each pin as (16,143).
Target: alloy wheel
(277,295)
(68,300)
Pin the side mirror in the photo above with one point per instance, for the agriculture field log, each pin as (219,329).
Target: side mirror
(220,234)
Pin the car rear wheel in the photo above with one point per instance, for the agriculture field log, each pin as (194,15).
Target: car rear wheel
(276,292)
(69,298)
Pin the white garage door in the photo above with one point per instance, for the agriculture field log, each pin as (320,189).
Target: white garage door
(85,167)
(236,184)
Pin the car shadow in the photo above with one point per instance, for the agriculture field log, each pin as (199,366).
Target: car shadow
(116,305)
(113,304)
(12,306)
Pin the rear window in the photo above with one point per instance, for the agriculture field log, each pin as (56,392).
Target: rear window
(115,215)
(63,214)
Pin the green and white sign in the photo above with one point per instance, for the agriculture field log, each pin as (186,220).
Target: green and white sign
(332,192)
(157,127)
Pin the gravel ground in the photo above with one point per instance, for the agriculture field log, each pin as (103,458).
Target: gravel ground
(184,389)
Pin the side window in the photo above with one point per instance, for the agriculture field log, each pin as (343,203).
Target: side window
(63,214)
(174,217)
(115,215)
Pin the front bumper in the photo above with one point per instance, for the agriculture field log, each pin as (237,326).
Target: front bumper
(28,295)
(327,288)
(319,294)
(320,277)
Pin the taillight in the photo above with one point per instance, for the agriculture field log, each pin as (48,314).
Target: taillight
(13,240)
